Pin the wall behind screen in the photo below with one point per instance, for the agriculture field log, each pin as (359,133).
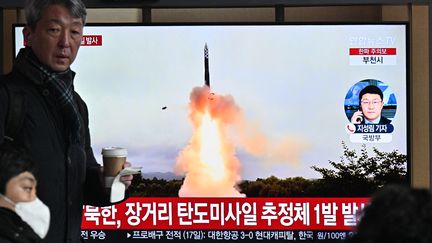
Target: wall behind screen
(417,15)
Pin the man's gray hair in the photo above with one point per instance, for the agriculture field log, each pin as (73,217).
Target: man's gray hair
(34,9)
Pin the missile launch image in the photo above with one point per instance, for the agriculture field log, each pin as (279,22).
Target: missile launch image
(208,162)
(206,66)
(274,105)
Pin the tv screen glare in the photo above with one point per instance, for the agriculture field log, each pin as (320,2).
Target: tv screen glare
(285,101)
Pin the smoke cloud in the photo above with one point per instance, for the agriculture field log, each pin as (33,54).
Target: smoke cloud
(209,161)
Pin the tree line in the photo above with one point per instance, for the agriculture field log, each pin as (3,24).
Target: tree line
(356,174)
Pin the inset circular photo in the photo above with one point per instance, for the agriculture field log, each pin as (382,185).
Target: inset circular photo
(370,101)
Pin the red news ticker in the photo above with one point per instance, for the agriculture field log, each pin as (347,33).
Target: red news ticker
(91,40)
(372,51)
(138,213)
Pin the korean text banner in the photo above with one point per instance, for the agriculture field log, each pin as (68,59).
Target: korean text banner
(227,213)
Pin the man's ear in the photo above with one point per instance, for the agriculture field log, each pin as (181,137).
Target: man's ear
(27,34)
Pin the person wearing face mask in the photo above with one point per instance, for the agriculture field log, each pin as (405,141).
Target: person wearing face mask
(23,217)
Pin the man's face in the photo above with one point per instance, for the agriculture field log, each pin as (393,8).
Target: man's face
(56,37)
(371,105)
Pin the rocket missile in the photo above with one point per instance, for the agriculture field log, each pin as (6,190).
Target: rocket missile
(206,66)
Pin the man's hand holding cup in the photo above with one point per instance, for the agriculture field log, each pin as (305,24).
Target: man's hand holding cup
(114,160)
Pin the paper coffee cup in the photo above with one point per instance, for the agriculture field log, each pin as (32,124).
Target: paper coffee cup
(114,159)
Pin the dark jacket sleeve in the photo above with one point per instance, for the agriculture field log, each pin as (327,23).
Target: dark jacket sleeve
(94,190)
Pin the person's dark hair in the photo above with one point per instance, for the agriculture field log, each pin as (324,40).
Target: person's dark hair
(396,214)
(370,89)
(34,8)
(14,160)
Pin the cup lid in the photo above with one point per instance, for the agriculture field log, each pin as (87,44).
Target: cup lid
(114,152)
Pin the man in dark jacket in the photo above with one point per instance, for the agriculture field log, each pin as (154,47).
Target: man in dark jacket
(54,127)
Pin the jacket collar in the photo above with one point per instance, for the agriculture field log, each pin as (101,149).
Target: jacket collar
(28,64)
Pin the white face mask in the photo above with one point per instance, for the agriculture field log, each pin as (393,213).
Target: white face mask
(34,213)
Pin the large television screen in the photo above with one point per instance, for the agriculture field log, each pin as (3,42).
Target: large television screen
(250,111)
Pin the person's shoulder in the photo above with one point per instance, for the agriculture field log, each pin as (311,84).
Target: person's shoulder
(7,222)
(78,97)
(6,213)
(12,80)
(384,120)
(8,77)
(8,217)
(4,80)
(82,106)
(13,229)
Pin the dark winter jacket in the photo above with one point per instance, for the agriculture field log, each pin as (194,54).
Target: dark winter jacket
(67,172)
(14,230)
(383,120)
